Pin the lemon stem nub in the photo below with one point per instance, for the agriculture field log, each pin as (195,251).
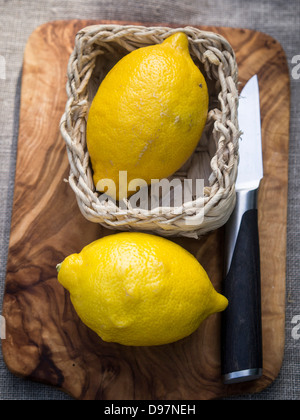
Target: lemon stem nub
(58,267)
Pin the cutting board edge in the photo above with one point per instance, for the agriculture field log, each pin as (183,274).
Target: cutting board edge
(134,23)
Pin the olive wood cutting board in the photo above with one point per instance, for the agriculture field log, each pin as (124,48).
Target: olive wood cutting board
(45,340)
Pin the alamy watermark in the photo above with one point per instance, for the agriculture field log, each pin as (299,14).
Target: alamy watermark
(296,328)
(2,328)
(296,68)
(2,68)
(182,195)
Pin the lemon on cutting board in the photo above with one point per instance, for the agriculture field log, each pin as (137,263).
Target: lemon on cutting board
(148,114)
(139,289)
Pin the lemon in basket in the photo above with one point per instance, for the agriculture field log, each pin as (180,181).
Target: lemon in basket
(139,289)
(147,115)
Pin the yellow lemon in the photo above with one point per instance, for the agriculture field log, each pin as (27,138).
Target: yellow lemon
(148,114)
(139,289)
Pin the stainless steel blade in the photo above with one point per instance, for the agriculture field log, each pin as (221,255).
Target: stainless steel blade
(250,169)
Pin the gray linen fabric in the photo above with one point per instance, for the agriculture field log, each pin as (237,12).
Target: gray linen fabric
(278,18)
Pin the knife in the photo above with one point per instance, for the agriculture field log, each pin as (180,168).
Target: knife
(241,332)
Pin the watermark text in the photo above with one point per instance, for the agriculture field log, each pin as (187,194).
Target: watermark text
(181,195)
(296,68)
(2,328)
(296,328)
(2,68)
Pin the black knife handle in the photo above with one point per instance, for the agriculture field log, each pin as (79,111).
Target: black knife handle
(241,351)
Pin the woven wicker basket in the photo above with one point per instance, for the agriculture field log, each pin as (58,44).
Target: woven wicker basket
(215,160)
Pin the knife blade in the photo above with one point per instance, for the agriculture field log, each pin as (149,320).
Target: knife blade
(241,332)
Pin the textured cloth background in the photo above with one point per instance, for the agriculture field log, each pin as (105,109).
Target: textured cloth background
(278,18)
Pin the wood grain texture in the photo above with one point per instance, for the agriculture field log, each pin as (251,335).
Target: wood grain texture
(46,341)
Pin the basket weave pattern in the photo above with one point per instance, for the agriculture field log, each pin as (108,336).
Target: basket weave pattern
(97,49)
